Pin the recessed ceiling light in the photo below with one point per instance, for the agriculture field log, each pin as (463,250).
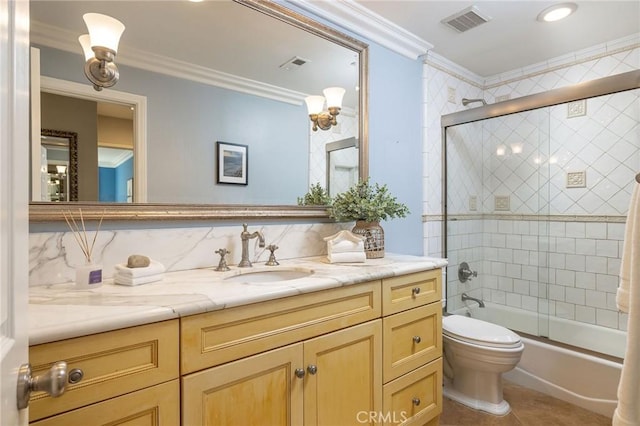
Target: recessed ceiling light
(557,12)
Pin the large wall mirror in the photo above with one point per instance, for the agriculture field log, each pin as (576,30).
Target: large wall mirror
(233,71)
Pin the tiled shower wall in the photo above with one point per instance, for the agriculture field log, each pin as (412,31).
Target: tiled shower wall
(563,266)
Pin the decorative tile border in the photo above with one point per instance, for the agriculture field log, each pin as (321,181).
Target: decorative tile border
(530,217)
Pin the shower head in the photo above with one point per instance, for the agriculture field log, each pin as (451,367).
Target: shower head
(466,101)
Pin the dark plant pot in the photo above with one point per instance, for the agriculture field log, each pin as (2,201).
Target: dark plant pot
(374,238)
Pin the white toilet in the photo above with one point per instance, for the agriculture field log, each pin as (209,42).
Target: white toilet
(476,353)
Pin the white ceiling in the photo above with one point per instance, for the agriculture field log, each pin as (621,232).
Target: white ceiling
(210,34)
(513,38)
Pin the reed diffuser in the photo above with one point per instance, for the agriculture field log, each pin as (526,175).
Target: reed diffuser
(88,275)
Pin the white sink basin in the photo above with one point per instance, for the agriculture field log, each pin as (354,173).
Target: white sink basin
(269,275)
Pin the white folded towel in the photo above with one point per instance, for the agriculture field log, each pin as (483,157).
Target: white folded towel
(351,257)
(627,412)
(154,268)
(131,281)
(346,246)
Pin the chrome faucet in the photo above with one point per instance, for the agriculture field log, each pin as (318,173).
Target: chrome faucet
(245,236)
(465,296)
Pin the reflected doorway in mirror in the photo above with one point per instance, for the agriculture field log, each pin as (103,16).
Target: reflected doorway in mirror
(232,162)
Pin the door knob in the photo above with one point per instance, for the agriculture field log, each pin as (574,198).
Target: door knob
(53,382)
(299,372)
(312,369)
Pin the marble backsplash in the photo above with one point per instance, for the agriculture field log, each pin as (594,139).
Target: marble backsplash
(54,255)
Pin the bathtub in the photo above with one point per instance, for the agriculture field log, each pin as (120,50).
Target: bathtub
(584,380)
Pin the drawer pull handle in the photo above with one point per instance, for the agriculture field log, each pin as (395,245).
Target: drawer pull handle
(416,401)
(75,375)
(312,369)
(417,339)
(53,382)
(415,291)
(299,373)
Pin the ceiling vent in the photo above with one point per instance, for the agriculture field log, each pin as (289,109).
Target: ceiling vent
(293,63)
(466,19)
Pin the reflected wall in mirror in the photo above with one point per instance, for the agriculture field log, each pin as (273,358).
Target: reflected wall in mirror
(244,91)
(342,165)
(58,166)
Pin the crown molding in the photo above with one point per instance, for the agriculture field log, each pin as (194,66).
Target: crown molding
(115,161)
(355,18)
(61,39)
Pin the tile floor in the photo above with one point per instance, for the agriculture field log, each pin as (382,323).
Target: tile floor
(528,408)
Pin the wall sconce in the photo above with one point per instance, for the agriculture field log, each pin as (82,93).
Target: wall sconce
(100,47)
(315,104)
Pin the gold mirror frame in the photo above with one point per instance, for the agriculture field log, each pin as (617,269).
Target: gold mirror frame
(48,212)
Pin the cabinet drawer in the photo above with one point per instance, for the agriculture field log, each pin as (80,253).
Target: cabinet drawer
(218,337)
(408,291)
(113,363)
(415,398)
(155,406)
(411,338)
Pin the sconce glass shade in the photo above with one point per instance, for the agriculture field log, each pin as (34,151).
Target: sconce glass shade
(85,42)
(334,96)
(314,104)
(104,31)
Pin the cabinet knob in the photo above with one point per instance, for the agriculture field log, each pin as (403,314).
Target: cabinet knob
(417,339)
(75,375)
(299,373)
(52,382)
(415,291)
(312,369)
(416,401)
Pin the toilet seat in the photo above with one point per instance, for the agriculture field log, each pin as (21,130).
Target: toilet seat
(478,332)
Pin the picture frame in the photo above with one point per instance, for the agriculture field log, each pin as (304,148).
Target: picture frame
(232,162)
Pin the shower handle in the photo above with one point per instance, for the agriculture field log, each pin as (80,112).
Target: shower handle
(465,273)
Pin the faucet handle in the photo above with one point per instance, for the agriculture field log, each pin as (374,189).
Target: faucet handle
(272,258)
(222,266)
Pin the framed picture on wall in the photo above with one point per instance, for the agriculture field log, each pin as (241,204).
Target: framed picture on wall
(232,162)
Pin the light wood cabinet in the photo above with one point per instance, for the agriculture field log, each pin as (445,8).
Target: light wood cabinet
(153,406)
(112,364)
(326,380)
(368,353)
(412,353)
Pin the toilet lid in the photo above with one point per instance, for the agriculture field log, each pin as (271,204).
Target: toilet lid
(479,332)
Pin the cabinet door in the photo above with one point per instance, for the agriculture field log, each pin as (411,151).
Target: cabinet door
(154,406)
(259,390)
(344,376)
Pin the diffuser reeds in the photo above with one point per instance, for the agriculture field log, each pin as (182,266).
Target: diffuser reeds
(80,234)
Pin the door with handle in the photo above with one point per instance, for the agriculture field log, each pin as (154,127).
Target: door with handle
(14,208)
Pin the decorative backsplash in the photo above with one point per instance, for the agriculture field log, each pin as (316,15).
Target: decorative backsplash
(53,255)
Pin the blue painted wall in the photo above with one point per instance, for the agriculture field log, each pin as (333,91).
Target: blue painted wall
(185,119)
(395,136)
(123,173)
(107,184)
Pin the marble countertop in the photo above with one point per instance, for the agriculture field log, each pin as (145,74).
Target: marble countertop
(61,311)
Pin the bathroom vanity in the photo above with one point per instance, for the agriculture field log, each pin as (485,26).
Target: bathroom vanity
(347,344)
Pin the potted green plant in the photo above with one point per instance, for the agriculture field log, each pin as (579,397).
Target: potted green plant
(317,196)
(367,204)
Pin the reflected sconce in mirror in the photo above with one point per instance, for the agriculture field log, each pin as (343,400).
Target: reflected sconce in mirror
(100,47)
(315,104)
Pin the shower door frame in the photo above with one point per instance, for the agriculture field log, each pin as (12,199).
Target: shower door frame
(603,86)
